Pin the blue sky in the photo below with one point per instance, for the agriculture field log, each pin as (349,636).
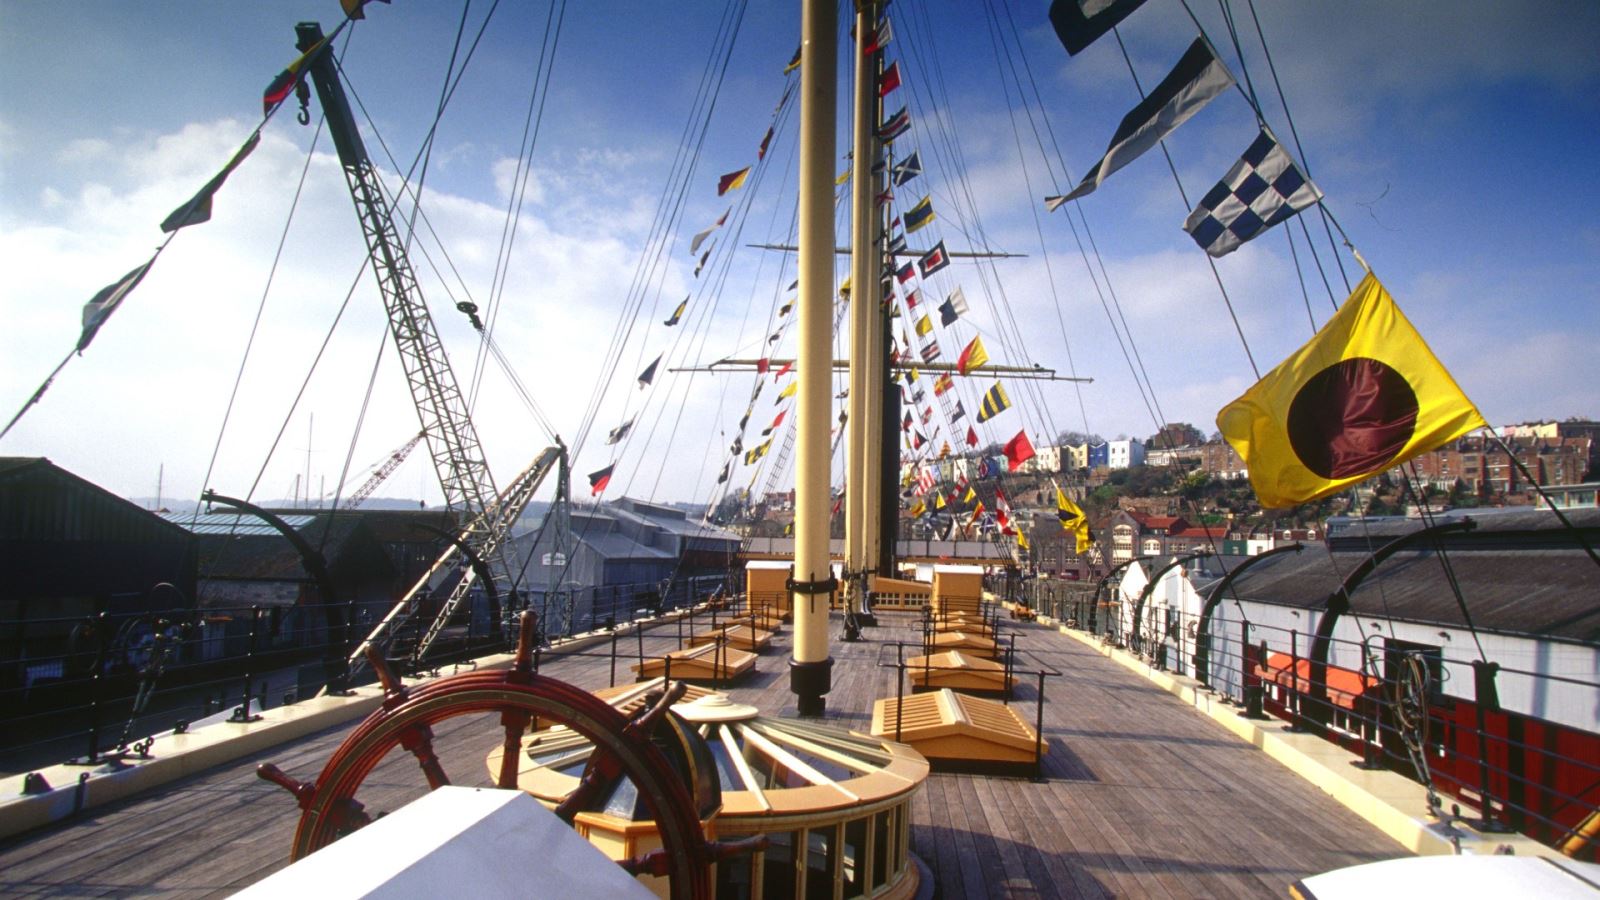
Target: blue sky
(1456,143)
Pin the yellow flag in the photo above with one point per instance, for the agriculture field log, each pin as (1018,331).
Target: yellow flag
(1073,520)
(844,286)
(918,509)
(1022,540)
(971,496)
(789,391)
(912,375)
(938,501)
(924,325)
(972,356)
(843,177)
(1363,395)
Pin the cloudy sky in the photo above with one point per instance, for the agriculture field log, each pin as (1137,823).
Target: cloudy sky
(1456,145)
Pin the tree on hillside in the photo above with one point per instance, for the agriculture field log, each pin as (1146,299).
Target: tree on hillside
(1176,434)
(1077,437)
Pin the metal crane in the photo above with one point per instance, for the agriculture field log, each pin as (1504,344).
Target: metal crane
(384,471)
(469,490)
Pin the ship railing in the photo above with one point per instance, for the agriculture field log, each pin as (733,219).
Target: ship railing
(96,688)
(1515,745)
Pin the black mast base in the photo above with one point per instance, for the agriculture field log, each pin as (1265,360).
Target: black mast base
(810,681)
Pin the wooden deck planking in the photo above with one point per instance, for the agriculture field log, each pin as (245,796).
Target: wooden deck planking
(1143,797)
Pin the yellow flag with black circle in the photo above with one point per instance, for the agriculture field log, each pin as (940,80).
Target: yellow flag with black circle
(1365,394)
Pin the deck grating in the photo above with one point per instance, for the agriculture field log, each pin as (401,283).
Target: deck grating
(1142,797)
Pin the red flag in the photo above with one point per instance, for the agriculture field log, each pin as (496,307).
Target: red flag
(890,80)
(762,365)
(599,480)
(783,371)
(775,423)
(972,437)
(1018,450)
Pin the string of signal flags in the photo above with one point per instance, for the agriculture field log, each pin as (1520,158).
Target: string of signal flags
(1366,393)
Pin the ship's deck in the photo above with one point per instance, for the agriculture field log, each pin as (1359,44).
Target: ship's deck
(1142,796)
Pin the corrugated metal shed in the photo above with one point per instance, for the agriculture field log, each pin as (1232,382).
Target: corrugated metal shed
(1522,573)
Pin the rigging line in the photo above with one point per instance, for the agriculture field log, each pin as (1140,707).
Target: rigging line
(996,41)
(531,127)
(306,383)
(1140,384)
(711,284)
(427,147)
(1326,285)
(521,388)
(1534,482)
(1299,149)
(1428,521)
(721,493)
(668,207)
(668,212)
(1072,366)
(355,434)
(1238,51)
(1135,360)
(261,308)
(702,334)
(1185,197)
(651,266)
(1300,275)
(940,128)
(1027,109)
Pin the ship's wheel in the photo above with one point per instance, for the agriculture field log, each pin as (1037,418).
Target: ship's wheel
(330,808)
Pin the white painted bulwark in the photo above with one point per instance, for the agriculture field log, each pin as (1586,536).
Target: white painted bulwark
(1457,876)
(456,842)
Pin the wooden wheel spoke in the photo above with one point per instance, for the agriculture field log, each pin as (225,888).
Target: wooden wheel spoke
(418,739)
(515,723)
(623,748)
(349,815)
(601,770)
(656,862)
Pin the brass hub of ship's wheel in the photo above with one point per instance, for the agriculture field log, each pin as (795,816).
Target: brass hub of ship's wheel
(330,809)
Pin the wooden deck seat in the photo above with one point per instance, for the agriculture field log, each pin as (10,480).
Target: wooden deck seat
(958,671)
(742,635)
(713,662)
(973,644)
(958,732)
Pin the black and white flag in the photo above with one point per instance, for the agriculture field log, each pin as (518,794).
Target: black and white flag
(1262,189)
(619,432)
(1195,81)
(1079,23)
(103,304)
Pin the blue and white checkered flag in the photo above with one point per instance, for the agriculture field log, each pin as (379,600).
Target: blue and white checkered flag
(1262,189)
